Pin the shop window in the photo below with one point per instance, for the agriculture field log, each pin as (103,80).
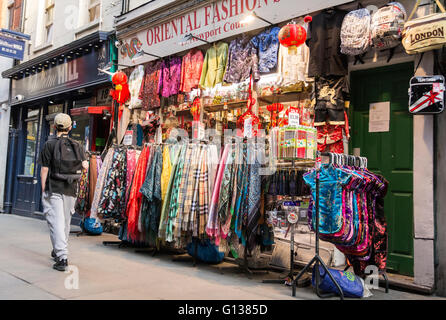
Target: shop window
(32,126)
(53,110)
(49,19)
(94,10)
(81,130)
(14,14)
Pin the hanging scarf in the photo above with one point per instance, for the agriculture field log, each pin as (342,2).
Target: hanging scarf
(151,189)
(100,183)
(167,197)
(212,223)
(135,197)
(173,209)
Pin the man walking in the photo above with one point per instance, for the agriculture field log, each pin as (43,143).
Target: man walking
(61,161)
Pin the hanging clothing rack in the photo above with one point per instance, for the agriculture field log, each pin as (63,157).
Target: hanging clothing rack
(317,260)
(339,159)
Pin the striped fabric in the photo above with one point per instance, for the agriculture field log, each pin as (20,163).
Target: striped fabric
(203,195)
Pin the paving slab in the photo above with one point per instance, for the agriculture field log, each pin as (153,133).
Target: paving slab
(101,272)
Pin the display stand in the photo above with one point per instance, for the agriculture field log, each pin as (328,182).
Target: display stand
(317,260)
(290,277)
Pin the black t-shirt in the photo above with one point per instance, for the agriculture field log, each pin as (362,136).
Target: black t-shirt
(45,160)
(323,39)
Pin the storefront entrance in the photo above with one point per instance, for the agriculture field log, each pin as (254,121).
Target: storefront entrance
(389,153)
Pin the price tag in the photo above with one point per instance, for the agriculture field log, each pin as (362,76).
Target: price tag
(293,118)
(128,138)
(201,131)
(293,217)
(247,130)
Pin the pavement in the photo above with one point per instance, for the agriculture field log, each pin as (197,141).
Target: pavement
(109,272)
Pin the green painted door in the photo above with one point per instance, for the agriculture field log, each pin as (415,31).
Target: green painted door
(389,153)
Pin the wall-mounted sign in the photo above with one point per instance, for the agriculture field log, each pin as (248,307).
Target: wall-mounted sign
(379,117)
(426,95)
(74,74)
(212,22)
(12,48)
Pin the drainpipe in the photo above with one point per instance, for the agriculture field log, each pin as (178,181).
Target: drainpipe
(10,161)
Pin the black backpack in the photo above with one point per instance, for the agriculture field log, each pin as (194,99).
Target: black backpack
(67,160)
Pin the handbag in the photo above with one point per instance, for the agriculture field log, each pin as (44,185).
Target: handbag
(351,285)
(426,95)
(425,33)
(91,226)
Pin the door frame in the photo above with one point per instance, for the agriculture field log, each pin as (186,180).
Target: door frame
(358,76)
(423,173)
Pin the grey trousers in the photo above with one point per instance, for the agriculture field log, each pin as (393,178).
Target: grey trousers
(58,209)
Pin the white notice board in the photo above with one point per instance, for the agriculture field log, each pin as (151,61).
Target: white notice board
(379,117)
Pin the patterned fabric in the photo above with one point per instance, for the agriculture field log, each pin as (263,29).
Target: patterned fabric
(242,61)
(228,212)
(166,201)
(292,65)
(214,65)
(194,208)
(173,209)
(254,194)
(212,161)
(212,224)
(182,194)
(149,87)
(191,70)
(112,202)
(135,197)
(131,166)
(135,81)
(267,44)
(330,207)
(170,77)
(203,209)
(92,176)
(151,189)
(167,169)
(190,187)
(82,204)
(100,183)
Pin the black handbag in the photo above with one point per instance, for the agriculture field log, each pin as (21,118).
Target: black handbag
(426,95)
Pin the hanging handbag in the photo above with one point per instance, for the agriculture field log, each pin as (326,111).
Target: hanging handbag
(425,33)
(426,94)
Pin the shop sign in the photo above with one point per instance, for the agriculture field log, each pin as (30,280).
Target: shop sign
(103,97)
(12,48)
(213,22)
(74,74)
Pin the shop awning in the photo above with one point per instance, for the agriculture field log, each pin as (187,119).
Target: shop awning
(58,53)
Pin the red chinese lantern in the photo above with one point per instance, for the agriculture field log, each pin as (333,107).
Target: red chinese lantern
(293,34)
(121,93)
(274,109)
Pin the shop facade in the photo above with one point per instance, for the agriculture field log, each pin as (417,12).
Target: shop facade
(64,80)
(404,153)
